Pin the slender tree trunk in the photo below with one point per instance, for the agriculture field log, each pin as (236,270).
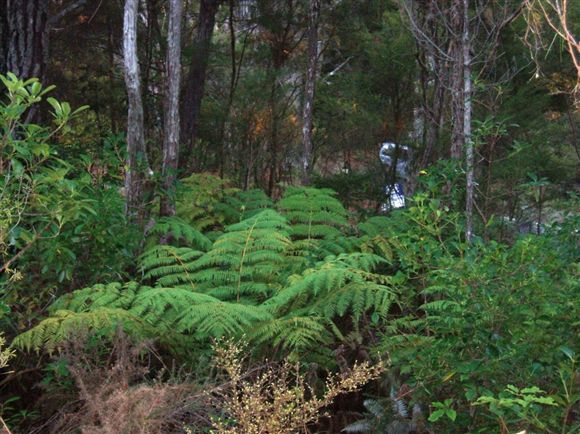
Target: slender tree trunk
(434,116)
(137,165)
(196,77)
(457,84)
(310,87)
(458,105)
(111,71)
(171,118)
(273,109)
(469,151)
(226,124)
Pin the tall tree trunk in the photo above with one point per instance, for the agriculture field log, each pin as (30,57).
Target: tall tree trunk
(25,27)
(309,88)
(469,151)
(137,165)
(226,124)
(273,109)
(3,35)
(171,116)
(27,23)
(434,119)
(111,71)
(24,37)
(196,77)
(457,105)
(457,84)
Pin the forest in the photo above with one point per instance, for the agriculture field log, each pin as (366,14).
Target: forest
(289,216)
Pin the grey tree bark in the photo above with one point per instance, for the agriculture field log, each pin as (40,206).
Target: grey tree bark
(25,27)
(457,84)
(309,89)
(171,115)
(467,108)
(137,165)
(26,22)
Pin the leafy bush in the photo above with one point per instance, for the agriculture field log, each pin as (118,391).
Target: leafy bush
(301,279)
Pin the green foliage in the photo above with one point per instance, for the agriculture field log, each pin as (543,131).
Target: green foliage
(489,313)
(251,202)
(317,221)
(178,230)
(169,265)
(458,322)
(247,281)
(245,261)
(531,407)
(142,311)
(337,286)
(63,324)
(313,213)
(200,202)
(61,224)
(443,409)
(523,402)
(37,198)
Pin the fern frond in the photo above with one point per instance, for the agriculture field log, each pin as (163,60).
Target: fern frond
(64,324)
(292,333)
(374,407)
(373,226)
(217,319)
(200,201)
(336,246)
(241,205)
(337,286)
(253,202)
(246,259)
(113,295)
(169,265)
(314,215)
(181,231)
(360,426)
(312,212)
(162,307)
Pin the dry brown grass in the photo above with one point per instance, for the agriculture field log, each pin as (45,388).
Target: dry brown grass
(117,397)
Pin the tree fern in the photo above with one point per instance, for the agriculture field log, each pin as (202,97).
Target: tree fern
(65,324)
(292,332)
(169,265)
(181,231)
(200,201)
(246,260)
(314,215)
(143,311)
(282,279)
(337,286)
(239,205)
